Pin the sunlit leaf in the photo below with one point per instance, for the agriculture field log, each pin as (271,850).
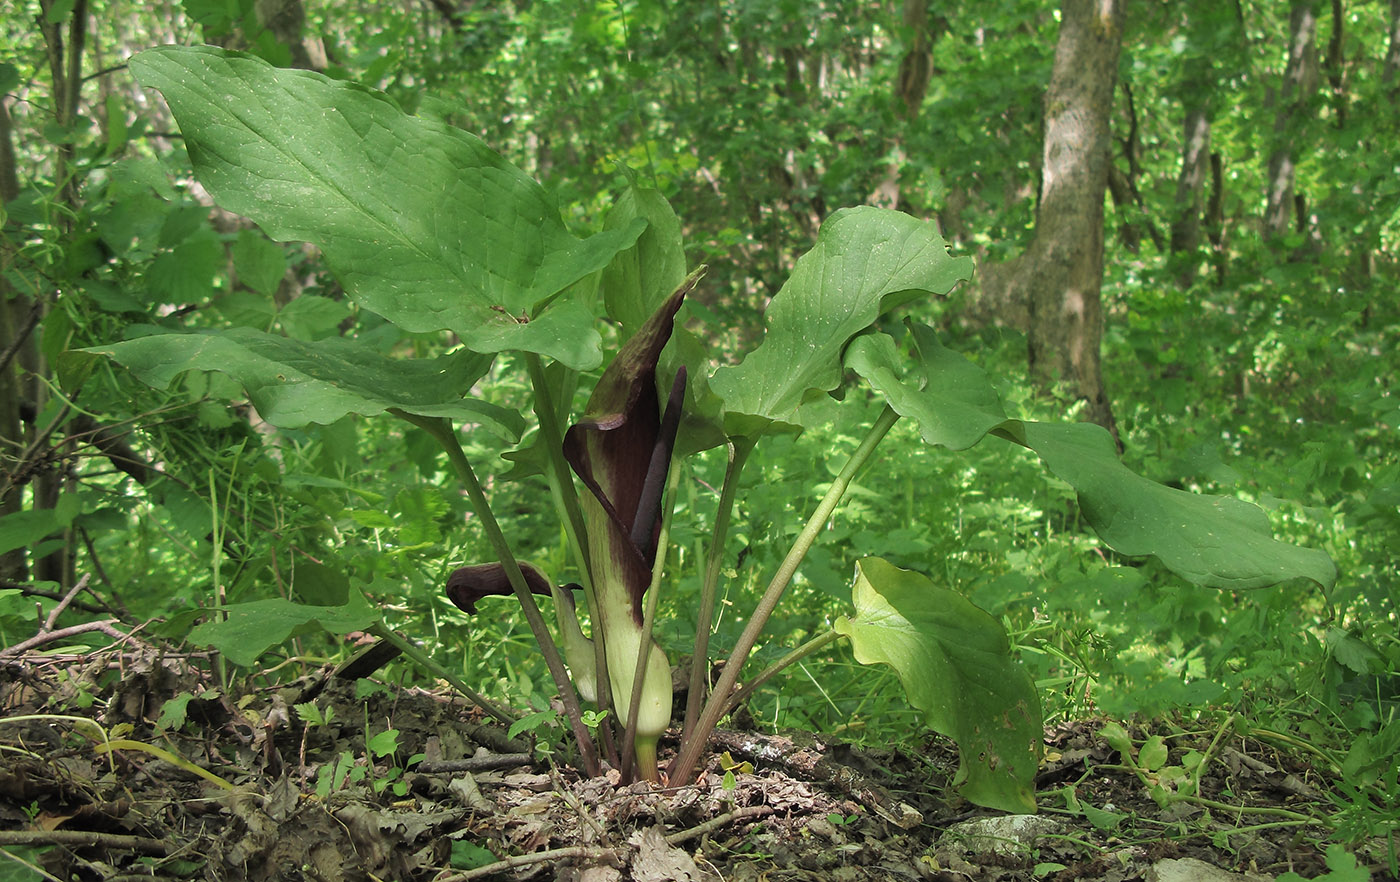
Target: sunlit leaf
(423,223)
(955,664)
(866,262)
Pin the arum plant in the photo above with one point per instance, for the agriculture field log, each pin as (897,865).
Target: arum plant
(431,230)
(621,451)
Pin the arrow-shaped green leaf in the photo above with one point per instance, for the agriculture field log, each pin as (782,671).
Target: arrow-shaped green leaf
(293,383)
(423,223)
(867,261)
(253,628)
(1217,541)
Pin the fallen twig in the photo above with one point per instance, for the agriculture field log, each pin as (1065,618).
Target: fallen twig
(104,625)
(608,854)
(713,824)
(475,763)
(63,604)
(536,857)
(84,838)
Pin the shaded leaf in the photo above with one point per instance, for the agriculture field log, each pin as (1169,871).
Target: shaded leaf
(293,383)
(640,279)
(253,628)
(955,664)
(950,397)
(23,529)
(423,223)
(1217,541)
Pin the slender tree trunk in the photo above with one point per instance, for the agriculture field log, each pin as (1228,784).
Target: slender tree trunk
(1062,271)
(1190,190)
(911,84)
(1198,87)
(1299,83)
(1391,77)
(13,311)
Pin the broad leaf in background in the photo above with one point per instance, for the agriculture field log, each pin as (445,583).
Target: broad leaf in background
(293,383)
(955,664)
(423,223)
(1216,541)
(867,261)
(25,529)
(253,628)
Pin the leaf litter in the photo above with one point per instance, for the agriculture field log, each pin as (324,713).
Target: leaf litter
(314,787)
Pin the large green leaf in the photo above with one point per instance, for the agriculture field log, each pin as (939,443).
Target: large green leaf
(253,628)
(955,663)
(1217,541)
(949,396)
(293,383)
(423,223)
(643,276)
(866,262)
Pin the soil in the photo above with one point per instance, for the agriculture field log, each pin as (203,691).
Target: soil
(449,796)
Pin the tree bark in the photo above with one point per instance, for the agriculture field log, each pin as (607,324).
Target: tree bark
(16,335)
(1062,271)
(1190,188)
(1198,84)
(1299,83)
(1391,77)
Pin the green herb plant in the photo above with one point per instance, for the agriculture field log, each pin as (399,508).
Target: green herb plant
(429,229)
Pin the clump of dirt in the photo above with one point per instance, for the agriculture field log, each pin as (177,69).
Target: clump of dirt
(132,764)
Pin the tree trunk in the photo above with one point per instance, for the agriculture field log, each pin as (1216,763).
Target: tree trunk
(1190,187)
(1391,77)
(911,84)
(1299,82)
(13,567)
(1062,271)
(1203,26)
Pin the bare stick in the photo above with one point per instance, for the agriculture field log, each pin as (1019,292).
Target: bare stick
(523,860)
(63,604)
(713,824)
(105,626)
(476,763)
(83,838)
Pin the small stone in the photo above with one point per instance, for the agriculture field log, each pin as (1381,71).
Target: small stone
(1192,870)
(1005,835)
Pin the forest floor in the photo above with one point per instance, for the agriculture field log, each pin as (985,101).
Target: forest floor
(283,799)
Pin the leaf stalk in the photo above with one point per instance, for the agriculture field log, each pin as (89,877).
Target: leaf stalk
(442,431)
(715,707)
